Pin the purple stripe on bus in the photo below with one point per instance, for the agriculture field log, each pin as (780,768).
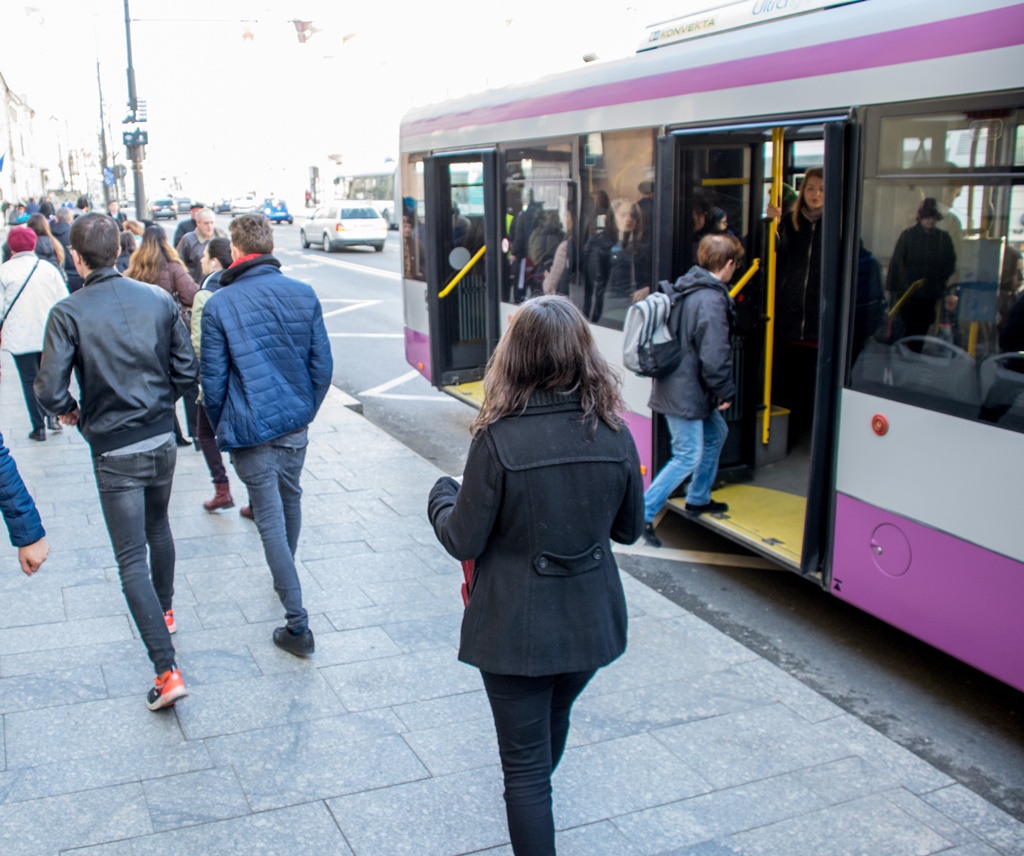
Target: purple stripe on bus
(640,427)
(952,594)
(983,31)
(417,351)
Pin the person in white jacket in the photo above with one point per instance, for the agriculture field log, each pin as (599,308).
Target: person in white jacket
(31,287)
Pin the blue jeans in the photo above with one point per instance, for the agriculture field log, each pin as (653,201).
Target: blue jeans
(696,445)
(134,493)
(271,472)
(531,716)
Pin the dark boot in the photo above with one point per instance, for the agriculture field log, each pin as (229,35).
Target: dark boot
(221,499)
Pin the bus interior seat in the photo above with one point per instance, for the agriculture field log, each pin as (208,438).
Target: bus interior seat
(927,368)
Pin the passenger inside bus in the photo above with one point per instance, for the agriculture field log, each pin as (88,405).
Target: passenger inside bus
(629,264)
(798,292)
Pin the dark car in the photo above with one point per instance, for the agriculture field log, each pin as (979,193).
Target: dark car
(164,208)
(184,204)
(276,210)
(222,206)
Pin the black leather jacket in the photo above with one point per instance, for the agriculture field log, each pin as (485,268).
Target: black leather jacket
(131,355)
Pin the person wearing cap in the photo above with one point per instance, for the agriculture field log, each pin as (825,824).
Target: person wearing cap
(922,263)
(31,288)
(187,226)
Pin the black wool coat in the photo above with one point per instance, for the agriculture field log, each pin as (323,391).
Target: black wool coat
(541,500)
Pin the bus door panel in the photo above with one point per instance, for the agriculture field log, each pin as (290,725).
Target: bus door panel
(462,264)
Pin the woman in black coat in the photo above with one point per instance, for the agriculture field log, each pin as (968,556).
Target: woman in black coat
(552,477)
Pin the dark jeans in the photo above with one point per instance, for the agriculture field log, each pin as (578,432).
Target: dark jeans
(211,451)
(134,493)
(271,472)
(188,400)
(28,368)
(531,716)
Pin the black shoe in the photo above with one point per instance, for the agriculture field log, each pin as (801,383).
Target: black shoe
(710,507)
(39,435)
(300,645)
(195,443)
(650,538)
(53,423)
(183,441)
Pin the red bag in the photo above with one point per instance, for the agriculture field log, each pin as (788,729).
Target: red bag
(467,572)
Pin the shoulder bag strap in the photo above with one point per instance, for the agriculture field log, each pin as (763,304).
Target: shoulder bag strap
(20,290)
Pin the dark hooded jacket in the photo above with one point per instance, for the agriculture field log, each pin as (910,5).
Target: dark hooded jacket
(704,378)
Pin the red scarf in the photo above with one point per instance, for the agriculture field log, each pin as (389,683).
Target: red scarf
(247,258)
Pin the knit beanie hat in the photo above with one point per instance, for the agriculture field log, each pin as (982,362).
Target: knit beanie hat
(21,239)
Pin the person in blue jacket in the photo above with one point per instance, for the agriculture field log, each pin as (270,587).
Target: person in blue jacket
(19,511)
(266,368)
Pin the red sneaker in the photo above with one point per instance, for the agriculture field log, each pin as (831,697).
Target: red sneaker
(169,688)
(172,626)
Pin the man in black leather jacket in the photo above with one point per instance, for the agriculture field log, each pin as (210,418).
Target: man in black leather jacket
(132,358)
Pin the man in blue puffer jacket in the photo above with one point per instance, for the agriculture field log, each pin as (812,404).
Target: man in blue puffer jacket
(266,367)
(20,515)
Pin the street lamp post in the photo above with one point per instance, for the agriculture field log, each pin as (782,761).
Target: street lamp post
(136,150)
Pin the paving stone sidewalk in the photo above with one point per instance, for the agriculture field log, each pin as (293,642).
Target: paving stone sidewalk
(382,745)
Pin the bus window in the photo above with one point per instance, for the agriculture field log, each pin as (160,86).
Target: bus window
(538,199)
(939,266)
(616,234)
(413,221)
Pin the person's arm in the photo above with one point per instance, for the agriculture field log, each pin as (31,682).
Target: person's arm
(54,377)
(711,340)
(20,514)
(321,363)
(628,524)
(463,517)
(213,369)
(184,286)
(197,319)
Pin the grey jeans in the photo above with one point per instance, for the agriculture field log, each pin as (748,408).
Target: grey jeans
(134,492)
(271,472)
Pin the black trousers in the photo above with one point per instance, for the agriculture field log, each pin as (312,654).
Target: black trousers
(28,368)
(531,716)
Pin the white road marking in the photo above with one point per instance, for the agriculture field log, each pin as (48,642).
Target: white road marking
(314,261)
(382,390)
(355,304)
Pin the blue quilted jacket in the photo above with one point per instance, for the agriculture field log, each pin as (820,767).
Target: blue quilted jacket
(266,361)
(19,510)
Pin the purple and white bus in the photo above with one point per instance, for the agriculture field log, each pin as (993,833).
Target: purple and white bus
(879,452)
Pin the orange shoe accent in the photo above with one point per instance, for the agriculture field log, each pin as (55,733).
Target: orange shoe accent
(168,689)
(172,626)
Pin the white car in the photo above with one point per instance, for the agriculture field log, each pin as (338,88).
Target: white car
(345,223)
(244,205)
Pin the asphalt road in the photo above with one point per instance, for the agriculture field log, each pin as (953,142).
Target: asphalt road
(960,720)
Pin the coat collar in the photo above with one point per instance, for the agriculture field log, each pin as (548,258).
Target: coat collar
(236,270)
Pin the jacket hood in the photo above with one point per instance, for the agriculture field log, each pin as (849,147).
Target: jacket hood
(695,278)
(235,271)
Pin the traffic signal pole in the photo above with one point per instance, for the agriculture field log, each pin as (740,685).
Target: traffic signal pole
(103,141)
(135,151)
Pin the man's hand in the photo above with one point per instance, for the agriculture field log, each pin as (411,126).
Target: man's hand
(724,405)
(32,556)
(70,418)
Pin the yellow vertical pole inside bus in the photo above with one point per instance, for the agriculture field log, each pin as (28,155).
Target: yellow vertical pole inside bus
(775,199)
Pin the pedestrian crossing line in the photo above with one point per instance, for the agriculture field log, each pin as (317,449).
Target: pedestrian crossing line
(382,391)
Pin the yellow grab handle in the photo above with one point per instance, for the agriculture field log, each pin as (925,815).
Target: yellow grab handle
(738,287)
(458,277)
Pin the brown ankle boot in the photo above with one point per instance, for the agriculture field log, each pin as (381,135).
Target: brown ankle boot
(221,499)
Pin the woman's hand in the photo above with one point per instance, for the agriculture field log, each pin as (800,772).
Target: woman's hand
(773,211)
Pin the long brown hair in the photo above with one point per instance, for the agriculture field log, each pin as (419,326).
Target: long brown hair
(37,223)
(154,252)
(801,200)
(548,346)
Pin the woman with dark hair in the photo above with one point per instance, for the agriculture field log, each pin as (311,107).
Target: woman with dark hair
(124,258)
(630,265)
(158,263)
(216,259)
(551,478)
(48,248)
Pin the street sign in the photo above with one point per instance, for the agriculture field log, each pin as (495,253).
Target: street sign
(108,176)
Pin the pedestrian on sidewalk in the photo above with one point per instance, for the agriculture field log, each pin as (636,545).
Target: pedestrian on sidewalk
(551,478)
(216,259)
(266,370)
(694,396)
(191,247)
(30,287)
(23,524)
(132,359)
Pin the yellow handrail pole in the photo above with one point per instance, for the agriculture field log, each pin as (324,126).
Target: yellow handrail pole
(775,198)
(458,277)
(898,305)
(972,339)
(755,265)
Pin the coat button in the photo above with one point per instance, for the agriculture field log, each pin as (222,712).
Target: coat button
(598,553)
(542,563)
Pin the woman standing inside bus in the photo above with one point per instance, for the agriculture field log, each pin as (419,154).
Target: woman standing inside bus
(798,294)
(551,478)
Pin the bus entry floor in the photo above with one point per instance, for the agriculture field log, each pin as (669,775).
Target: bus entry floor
(382,742)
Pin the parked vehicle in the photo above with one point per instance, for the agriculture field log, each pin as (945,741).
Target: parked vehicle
(276,210)
(222,206)
(345,223)
(243,205)
(164,208)
(184,204)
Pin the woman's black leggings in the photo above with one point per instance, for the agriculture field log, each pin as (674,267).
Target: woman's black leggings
(531,716)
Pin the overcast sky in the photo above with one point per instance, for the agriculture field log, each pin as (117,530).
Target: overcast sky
(229,114)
